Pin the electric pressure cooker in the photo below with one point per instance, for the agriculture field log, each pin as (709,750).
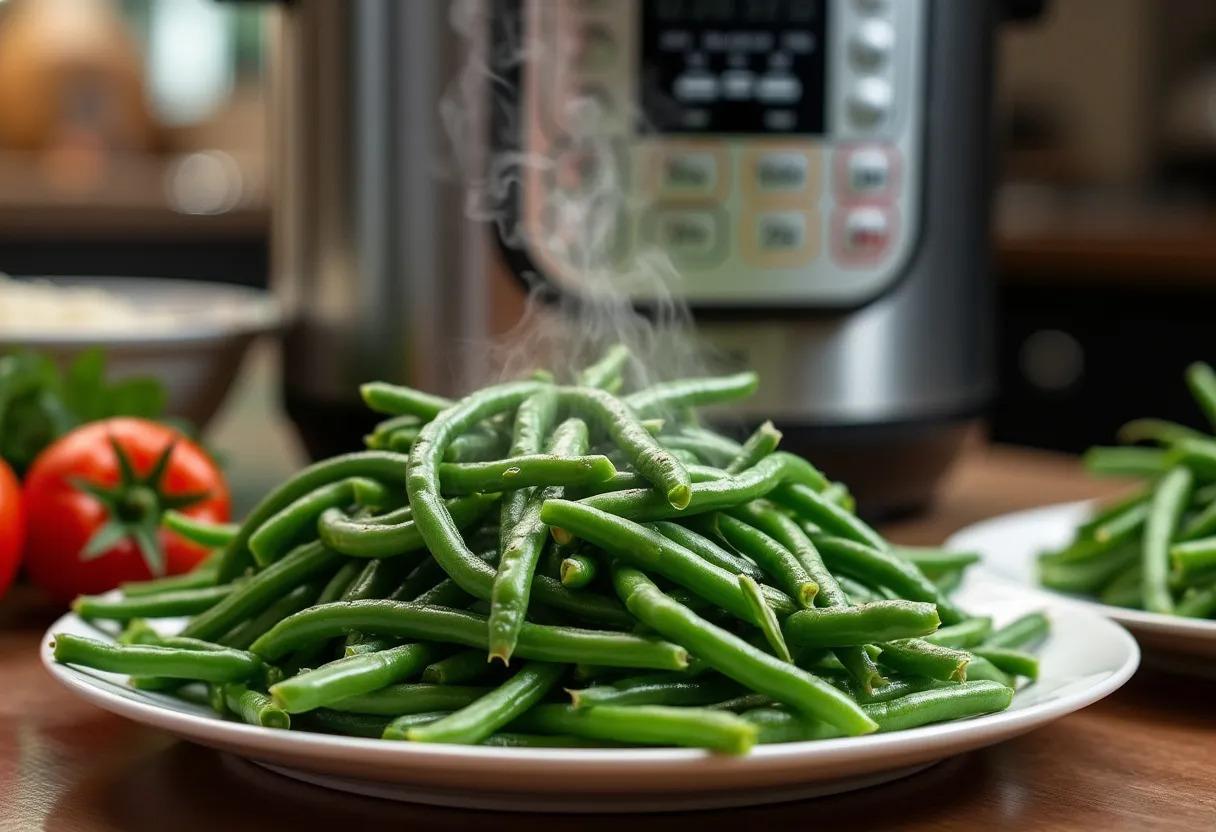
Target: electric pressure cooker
(811,178)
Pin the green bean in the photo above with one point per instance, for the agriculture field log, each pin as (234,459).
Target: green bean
(1169,500)
(606,373)
(476,445)
(967,633)
(643,547)
(348,724)
(1126,589)
(533,422)
(837,494)
(789,573)
(897,687)
(521,551)
(446,593)
(536,641)
(693,392)
(857,626)
(1087,576)
(1108,535)
(707,549)
(1012,662)
(936,561)
(368,644)
(516,740)
(709,446)
(1197,454)
(578,570)
(477,720)
(204,533)
(299,566)
(392,425)
(377,465)
(199,578)
(254,707)
(368,540)
(980,669)
(859,593)
(777,725)
(1155,430)
(650,458)
(352,676)
(828,516)
(698,691)
(1194,556)
(1203,524)
(394,400)
(920,658)
(341,581)
(770,627)
(421,578)
(524,472)
(220,665)
(399,441)
(885,569)
(278,533)
(439,531)
(948,582)
(733,657)
(161,605)
(459,668)
(1125,462)
(763,441)
(1109,511)
(377,580)
(714,495)
(643,725)
(1198,603)
(245,633)
(411,698)
(1202,383)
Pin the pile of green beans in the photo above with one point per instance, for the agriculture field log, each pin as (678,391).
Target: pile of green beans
(540,564)
(1155,548)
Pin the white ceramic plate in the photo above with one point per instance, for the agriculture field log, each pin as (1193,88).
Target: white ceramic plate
(1085,659)
(1010,544)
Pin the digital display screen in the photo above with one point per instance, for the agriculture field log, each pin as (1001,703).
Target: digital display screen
(733,66)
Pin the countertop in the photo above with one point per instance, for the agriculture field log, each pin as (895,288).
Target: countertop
(1143,758)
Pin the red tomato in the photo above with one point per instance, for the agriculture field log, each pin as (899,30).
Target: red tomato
(12,526)
(63,517)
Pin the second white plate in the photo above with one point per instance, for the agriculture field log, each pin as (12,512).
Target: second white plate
(1011,543)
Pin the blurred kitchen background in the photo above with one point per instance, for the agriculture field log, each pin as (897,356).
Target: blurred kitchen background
(135,141)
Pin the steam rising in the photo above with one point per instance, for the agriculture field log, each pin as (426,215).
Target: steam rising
(566,333)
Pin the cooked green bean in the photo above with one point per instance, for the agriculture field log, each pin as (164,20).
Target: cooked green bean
(245,633)
(878,621)
(477,720)
(347,724)
(828,516)
(1087,576)
(1194,556)
(395,400)
(920,658)
(536,641)
(369,540)
(411,698)
(459,668)
(763,441)
(1201,380)
(770,627)
(980,669)
(672,396)
(788,572)
(219,665)
(254,707)
(1126,589)
(1125,462)
(936,561)
(697,691)
(279,532)
(1155,430)
(198,578)
(554,468)
(643,725)
(352,676)
(967,633)
(709,446)
(1012,662)
(161,605)
(475,446)
(1169,500)
(707,549)
(606,373)
(578,570)
(202,532)
(733,657)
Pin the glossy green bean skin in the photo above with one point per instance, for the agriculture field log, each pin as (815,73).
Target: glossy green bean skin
(787,571)
(885,569)
(245,633)
(521,550)
(1025,632)
(460,668)
(1201,380)
(920,658)
(1126,589)
(578,570)
(709,446)
(980,669)
(220,665)
(1198,603)
(643,547)
(278,533)
(475,446)
(161,605)
(346,724)
(965,634)
(812,506)
(606,373)
(381,434)
(769,626)
(395,400)
(378,578)
(643,725)
(199,578)
(1193,556)
(254,707)
(871,623)
(1169,500)
(410,698)
(524,472)
(673,396)
(1012,662)
(935,561)
(697,691)
(650,458)
(733,657)
(378,465)
(1087,576)
(352,676)
(501,706)
(536,641)
(533,422)
(441,534)
(1125,462)
(297,567)
(211,535)
(707,549)
(763,441)
(369,540)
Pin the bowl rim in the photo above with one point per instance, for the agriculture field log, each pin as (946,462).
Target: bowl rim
(266,317)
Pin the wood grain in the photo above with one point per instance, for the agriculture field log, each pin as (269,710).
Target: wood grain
(1143,759)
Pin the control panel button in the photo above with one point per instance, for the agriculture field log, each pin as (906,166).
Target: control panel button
(784,175)
(779,89)
(690,173)
(866,172)
(863,233)
(688,236)
(872,44)
(780,239)
(870,102)
(781,172)
(737,84)
(696,87)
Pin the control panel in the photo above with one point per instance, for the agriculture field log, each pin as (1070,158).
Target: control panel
(747,152)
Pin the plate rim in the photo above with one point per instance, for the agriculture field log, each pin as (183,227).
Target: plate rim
(930,740)
(1150,622)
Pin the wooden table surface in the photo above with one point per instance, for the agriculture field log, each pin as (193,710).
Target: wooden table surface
(1145,758)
